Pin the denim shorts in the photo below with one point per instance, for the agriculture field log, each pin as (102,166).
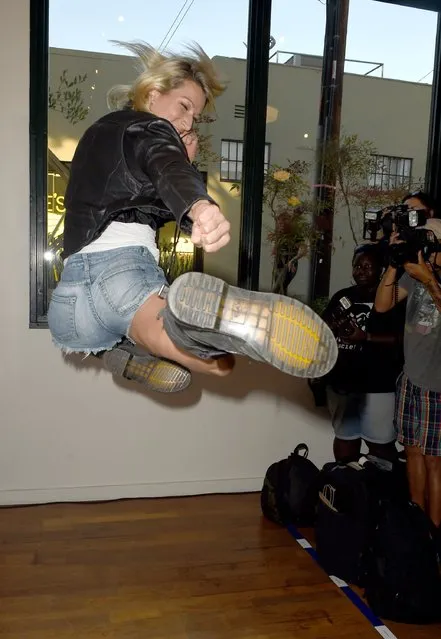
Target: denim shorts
(94,303)
(368,416)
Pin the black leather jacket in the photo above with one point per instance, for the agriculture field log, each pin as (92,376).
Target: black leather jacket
(128,167)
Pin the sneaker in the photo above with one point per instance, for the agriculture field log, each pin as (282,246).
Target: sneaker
(264,326)
(136,364)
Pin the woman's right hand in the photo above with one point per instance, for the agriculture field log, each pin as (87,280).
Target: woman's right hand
(211,230)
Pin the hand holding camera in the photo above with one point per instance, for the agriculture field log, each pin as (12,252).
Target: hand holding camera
(344,324)
(403,227)
(419,271)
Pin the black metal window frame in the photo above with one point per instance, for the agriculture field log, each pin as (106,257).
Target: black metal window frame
(259,19)
(426,5)
(38,135)
(390,172)
(234,156)
(256,91)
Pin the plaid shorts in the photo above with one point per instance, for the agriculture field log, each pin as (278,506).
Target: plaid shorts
(418,417)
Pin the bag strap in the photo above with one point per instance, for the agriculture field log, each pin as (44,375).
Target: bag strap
(301,448)
(355,465)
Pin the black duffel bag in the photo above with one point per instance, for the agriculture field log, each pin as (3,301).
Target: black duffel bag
(290,490)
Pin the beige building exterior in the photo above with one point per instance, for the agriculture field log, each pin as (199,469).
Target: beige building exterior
(394,115)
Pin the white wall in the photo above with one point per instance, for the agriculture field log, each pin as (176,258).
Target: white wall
(71,432)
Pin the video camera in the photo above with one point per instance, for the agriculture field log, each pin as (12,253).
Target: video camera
(407,223)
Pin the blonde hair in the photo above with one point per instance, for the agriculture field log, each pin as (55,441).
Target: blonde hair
(164,72)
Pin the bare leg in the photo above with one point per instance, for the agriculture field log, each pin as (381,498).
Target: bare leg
(347,450)
(147,331)
(416,472)
(433,469)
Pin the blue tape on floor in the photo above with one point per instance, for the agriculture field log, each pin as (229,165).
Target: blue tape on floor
(347,590)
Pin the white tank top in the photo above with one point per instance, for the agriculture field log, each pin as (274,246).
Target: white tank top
(120,234)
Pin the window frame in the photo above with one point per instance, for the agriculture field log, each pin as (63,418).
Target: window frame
(252,176)
(425,5)
(38,140)
(254,139)
(387,175)
(267,163)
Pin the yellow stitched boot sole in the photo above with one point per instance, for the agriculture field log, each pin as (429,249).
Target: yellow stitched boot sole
(156,374)
(278,330)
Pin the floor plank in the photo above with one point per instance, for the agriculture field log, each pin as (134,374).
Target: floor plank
(190,568)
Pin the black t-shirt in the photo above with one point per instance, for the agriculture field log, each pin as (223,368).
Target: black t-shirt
(366,367)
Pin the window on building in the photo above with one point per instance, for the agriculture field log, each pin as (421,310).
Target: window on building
(391,173)
(232,158)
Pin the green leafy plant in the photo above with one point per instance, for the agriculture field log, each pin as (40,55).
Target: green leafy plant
(319,304)
(286,193)
(68,99)
(353,161)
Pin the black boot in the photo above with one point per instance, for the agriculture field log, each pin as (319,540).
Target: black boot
(135,363)
(179,335)
(207,317)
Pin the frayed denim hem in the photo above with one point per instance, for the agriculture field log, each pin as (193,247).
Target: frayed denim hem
(85,351)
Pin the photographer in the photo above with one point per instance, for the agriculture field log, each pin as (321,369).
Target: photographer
(361,388)
(418,402)
(421,201)
(378,222)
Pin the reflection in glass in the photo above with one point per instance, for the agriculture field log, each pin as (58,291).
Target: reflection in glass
(85,62)
(231,160)
(292,115)
(382,151)
(391,173)
(385,119)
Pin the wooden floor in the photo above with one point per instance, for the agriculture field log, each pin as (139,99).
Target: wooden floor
(196,568)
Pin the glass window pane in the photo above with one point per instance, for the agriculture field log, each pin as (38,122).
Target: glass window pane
(232,170)
(393,167)
(84,64)
(267,148)
(381,71)
(224,170)
(224,150)
(292,119)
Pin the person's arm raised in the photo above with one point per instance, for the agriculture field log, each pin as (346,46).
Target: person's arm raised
(211,229)
(161,155)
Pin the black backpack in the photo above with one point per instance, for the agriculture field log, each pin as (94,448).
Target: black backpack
(402,579)
(347,512)
(289,493)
